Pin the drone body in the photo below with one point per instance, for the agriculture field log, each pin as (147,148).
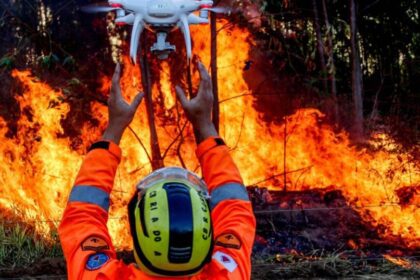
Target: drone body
(160,17)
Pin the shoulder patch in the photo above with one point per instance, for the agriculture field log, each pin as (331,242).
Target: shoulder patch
(225,260)
(94,243)
(96,261)
(228,240)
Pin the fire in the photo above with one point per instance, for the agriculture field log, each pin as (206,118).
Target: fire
(38,165)
(400,261)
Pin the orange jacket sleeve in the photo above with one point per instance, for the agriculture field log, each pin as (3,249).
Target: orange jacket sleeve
(232,216)
(83,230)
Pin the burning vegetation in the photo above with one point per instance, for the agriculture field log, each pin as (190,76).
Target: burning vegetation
(324,192)
(38,160)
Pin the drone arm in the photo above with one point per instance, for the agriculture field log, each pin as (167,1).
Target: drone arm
(193,19)
(135,37)
(185,28)
(128,19)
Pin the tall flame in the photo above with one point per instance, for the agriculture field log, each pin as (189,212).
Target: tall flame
(38,167)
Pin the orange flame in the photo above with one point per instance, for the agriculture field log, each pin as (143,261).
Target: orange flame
(38,168)
(400,261)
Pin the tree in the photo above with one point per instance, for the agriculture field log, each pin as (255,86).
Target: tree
(213,65)
(320,46)
(331,62)
(357,85)
(157,161)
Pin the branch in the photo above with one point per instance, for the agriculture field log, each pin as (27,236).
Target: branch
(375,103)
(371,5)
(240,132)
(181,134)
(213,65)
(178,152)
(141,143)
(281,174)
(175,139)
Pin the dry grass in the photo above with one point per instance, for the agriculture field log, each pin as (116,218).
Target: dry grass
(20,246)
(334,265)
(22,252)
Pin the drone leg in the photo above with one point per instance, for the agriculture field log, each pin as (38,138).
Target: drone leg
(128,19)
(186,31)
(135,37)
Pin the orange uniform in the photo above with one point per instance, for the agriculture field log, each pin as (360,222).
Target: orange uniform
(83,231)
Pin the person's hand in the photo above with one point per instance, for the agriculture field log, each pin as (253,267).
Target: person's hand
(198,109)
(120,113)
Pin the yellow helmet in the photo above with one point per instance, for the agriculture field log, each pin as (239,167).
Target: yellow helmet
(170,223)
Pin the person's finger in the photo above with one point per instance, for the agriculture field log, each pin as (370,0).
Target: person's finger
(181,96)
(117,73)
(115,86)
(137,101)
(204,74)
(205,80)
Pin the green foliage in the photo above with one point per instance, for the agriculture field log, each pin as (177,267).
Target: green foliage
(74,82)
(20,246)
(48,61)
(69,62)
(7,62)
(388,38)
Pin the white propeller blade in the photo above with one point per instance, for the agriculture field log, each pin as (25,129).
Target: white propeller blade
(97,9)
(219,10)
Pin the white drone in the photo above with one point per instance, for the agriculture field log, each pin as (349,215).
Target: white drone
(160,17)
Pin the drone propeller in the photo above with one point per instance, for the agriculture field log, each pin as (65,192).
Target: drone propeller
(95,8)
(219,10)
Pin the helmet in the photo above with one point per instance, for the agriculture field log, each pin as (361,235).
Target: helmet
(170,223)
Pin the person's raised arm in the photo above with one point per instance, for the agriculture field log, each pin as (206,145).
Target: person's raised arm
(198,109)
(83,231)
(232,216)
(120,113)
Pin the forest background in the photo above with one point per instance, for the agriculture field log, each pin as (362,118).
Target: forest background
(356,61)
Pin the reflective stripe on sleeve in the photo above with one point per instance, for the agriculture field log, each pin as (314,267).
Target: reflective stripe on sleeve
(226,192)
(89,194)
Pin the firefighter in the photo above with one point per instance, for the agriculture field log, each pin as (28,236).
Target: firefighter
(182,227)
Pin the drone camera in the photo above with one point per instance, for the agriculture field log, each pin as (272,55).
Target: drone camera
(162,48)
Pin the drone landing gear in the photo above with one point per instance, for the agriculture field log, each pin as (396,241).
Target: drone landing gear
(162,48)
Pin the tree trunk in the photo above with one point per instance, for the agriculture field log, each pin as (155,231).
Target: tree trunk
(213,64)
(356,76)
(284,155)
(331,63)
(320,46)
(157,161)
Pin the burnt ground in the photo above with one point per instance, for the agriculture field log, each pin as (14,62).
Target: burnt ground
(318,220)
(300,235)
(291,267)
